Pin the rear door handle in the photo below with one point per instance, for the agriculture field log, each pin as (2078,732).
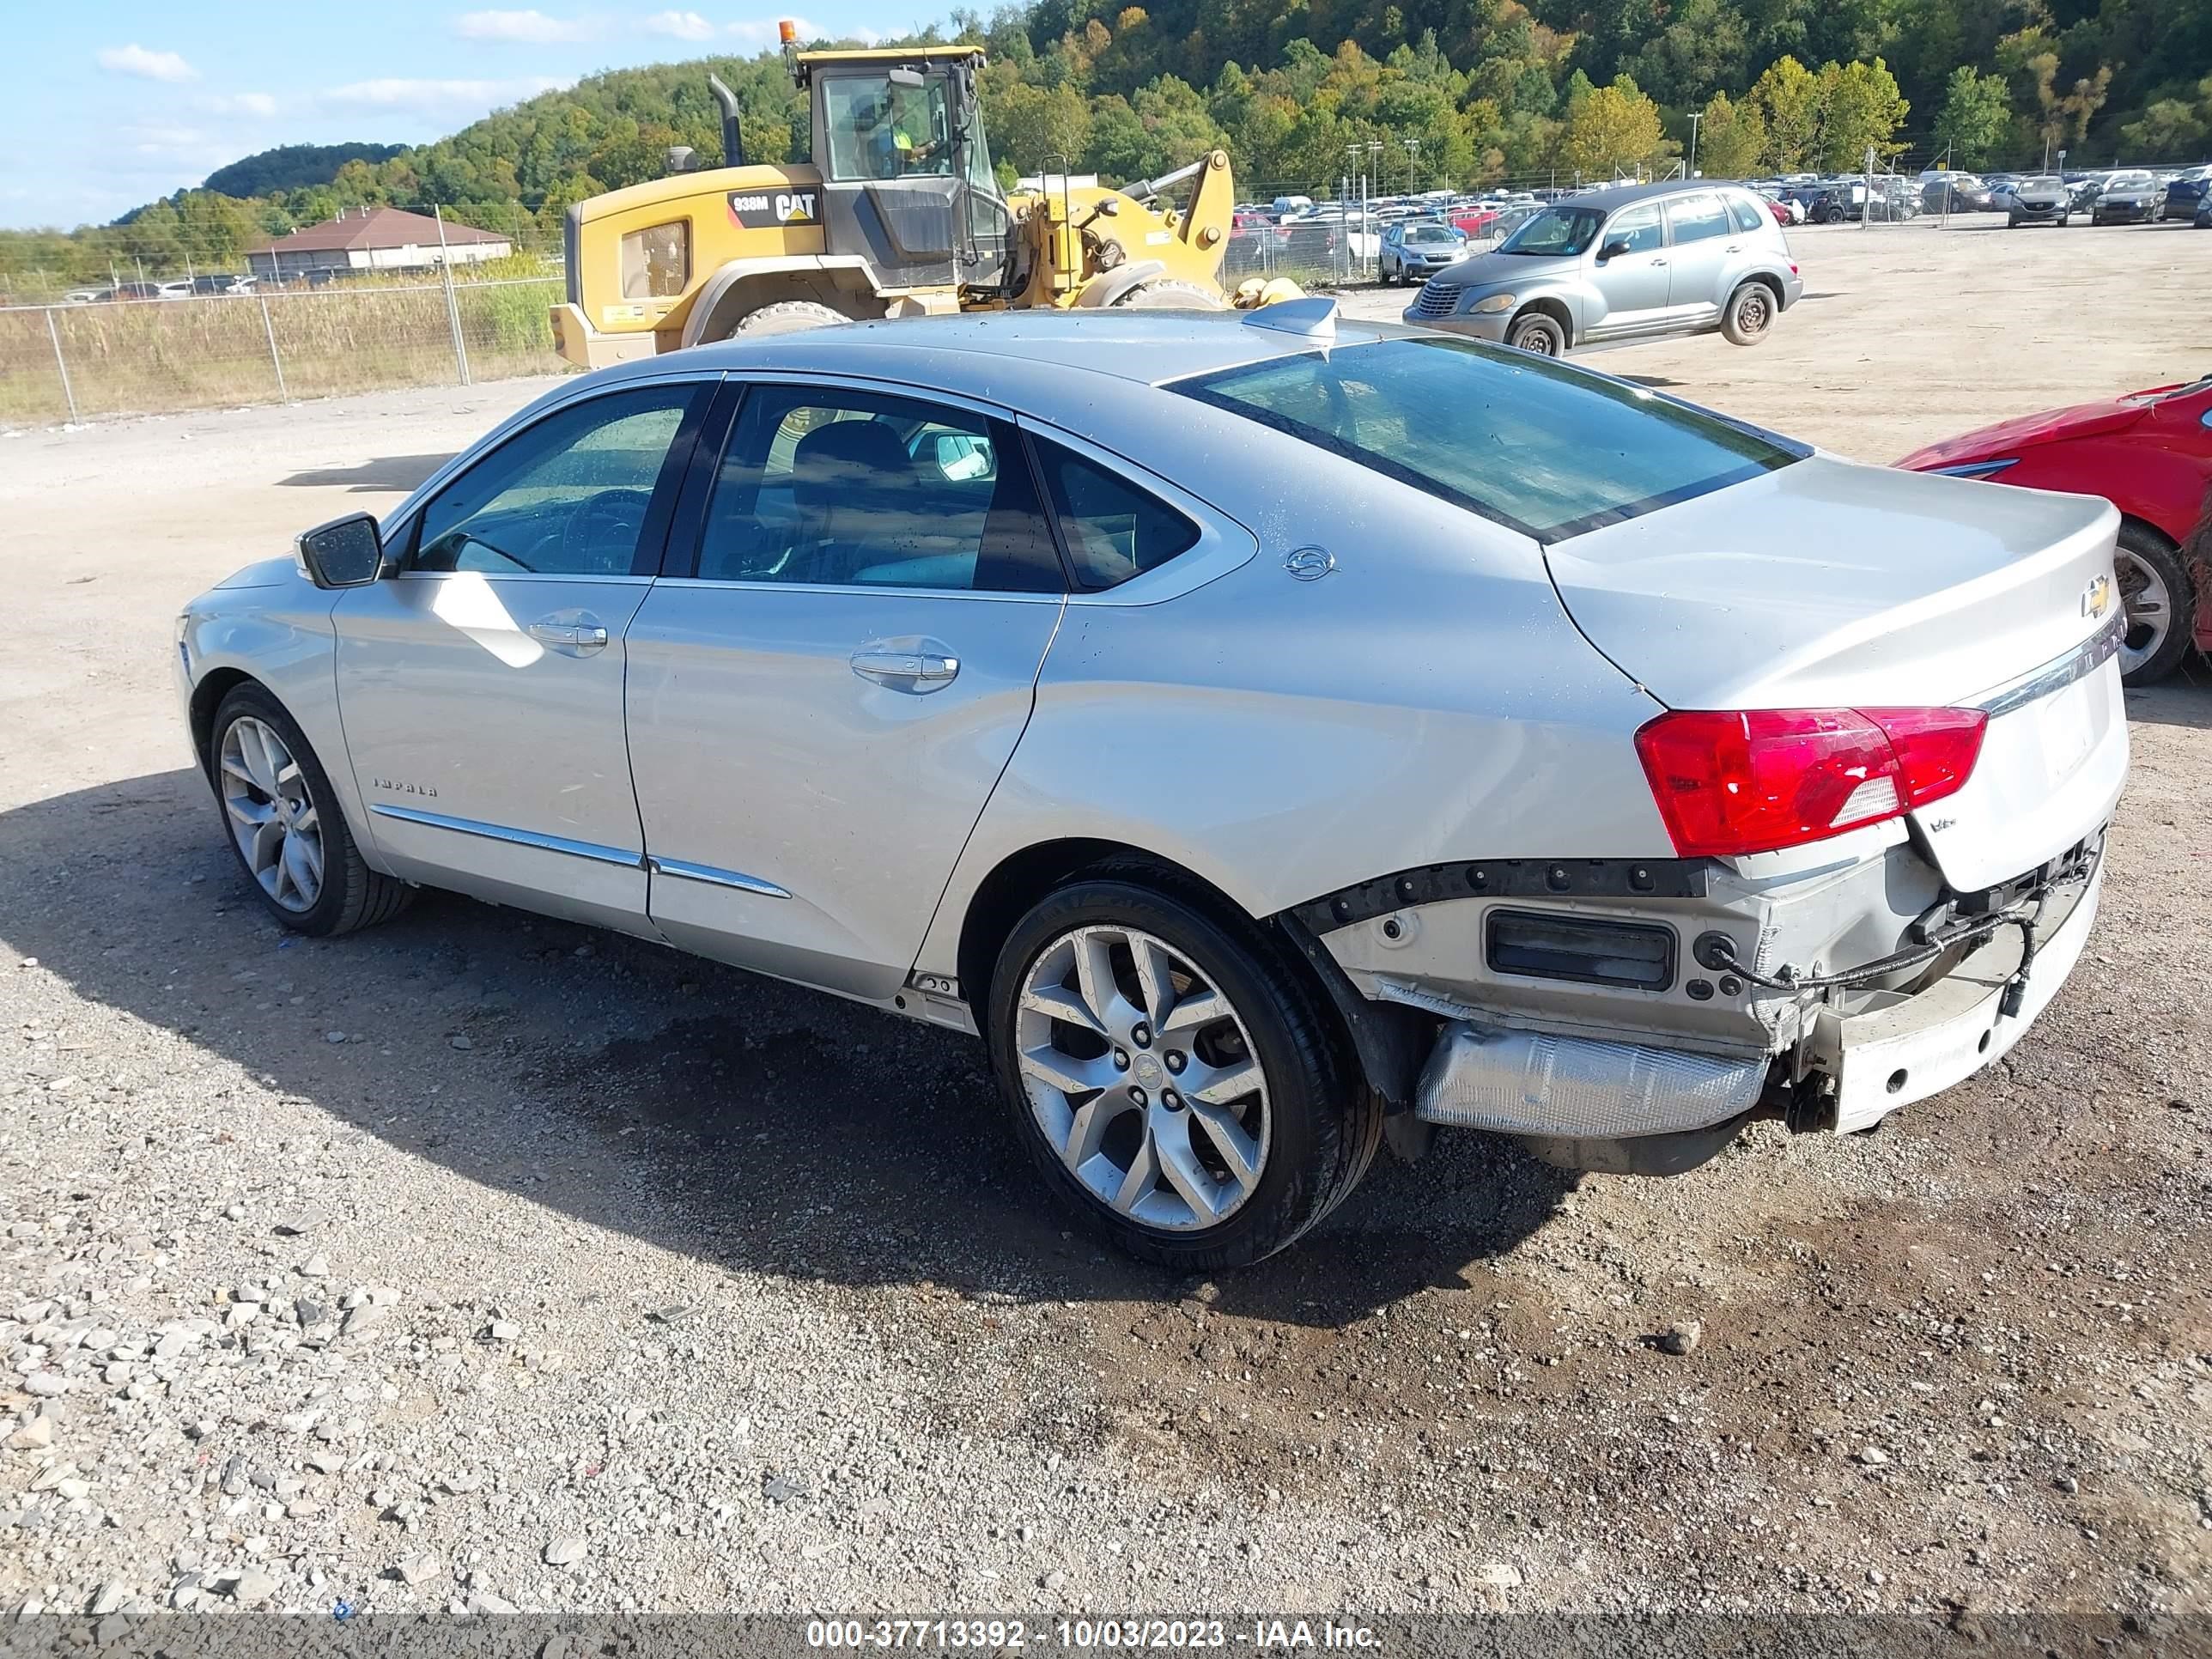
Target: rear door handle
(577,638)
(916,671)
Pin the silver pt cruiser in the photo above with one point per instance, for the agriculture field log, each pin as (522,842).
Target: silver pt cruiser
(1260,731)
(1638,262)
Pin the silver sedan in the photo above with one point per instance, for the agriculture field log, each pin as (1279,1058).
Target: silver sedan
(1262,732)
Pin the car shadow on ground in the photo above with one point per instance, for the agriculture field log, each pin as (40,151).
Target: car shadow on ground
(2183,701)
(752,1124)
(383,475)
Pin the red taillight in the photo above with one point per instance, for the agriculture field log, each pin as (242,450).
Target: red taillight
(1750,780)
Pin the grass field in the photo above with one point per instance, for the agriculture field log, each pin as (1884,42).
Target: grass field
(157,357)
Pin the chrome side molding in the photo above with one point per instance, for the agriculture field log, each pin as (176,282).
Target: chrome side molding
(580,849)
(715,878)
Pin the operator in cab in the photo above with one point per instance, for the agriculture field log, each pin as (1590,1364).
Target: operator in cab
(909,135)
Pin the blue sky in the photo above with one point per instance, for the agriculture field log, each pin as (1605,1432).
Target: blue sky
(105,105)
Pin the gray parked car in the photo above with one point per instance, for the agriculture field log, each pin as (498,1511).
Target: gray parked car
(1632,262)
(1414,248)
(1254,727)
(2039,201)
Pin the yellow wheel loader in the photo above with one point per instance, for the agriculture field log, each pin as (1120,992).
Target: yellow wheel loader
(898,215)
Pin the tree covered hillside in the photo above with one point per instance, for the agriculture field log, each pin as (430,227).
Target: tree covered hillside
(1450,92)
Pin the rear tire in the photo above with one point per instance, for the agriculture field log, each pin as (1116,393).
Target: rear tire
(1749,313)
(786,317)
(2151,572)
(1539,333)
(1121,1147)
(293,800)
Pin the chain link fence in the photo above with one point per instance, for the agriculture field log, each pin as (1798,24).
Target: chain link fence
(77,362)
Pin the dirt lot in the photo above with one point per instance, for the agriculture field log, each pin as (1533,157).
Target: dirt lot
(680,1289)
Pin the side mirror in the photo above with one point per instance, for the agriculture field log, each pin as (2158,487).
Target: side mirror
(346,552)
(1612,250)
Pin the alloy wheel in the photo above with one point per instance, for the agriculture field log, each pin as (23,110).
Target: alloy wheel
(272,817)
(2149,609)
(1142,1077)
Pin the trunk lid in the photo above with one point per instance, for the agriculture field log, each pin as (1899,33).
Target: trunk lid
(1827,584)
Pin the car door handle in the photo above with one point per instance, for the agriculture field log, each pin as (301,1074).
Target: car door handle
(579,637)
(905,671)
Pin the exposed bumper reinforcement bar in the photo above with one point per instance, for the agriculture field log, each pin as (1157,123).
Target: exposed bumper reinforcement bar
(1527,1083)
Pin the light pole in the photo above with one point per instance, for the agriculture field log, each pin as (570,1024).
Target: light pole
(1692,171)
(1413,164)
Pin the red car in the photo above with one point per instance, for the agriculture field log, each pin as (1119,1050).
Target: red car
(2149,453)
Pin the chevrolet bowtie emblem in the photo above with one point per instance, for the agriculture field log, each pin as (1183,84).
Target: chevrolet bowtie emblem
(2097,597)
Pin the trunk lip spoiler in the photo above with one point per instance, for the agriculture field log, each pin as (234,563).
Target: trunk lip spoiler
(2061,672)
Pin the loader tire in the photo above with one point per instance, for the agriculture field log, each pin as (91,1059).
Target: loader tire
(786,317)
(1169,295)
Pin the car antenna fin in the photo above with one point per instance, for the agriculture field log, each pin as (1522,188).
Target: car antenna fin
(1314,317)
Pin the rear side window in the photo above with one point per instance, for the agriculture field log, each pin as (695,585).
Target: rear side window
(1748,214)
(846,489)
(1697,218)
(1113,530)
(1541,446)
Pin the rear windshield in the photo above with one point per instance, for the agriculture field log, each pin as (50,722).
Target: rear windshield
(1541,446)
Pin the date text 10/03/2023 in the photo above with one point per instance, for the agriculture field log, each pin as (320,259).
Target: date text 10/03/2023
(1157,1635)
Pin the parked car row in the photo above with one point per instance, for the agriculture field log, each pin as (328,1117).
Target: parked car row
(2115,196)
(212,284)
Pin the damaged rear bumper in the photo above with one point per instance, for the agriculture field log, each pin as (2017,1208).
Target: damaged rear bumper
(1636,1108)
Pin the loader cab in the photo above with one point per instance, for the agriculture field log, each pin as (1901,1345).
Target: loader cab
(906,170)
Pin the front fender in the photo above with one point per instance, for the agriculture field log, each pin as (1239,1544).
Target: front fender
(283,637)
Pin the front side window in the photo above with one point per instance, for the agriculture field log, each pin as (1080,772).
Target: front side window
(568,496)
(656,262)
(1636,230)
(878,129)
(1541,446)
(820,487)
(1556,232)
(1113,530)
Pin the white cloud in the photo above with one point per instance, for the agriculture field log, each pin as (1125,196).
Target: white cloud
(533,27)
(398,94)
(684,25)
(134,59)
(239,103)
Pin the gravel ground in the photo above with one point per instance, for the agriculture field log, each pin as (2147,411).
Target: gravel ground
(481,1261)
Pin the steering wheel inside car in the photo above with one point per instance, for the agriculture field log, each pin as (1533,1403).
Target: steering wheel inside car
(600,537)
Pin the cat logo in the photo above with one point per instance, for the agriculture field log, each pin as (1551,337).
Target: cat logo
(754,209)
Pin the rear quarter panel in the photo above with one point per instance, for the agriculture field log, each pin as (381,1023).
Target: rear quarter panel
(1426,700)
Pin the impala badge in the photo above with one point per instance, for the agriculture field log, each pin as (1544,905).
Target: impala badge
(1311,564)
(2097,597)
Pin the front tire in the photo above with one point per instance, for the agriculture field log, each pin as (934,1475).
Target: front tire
(285,824)
(1175,1077)
(1539,333)
(2155,589)
(1748,314)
